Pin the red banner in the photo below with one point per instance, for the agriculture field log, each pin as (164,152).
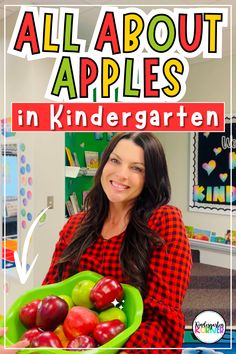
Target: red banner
(181,116)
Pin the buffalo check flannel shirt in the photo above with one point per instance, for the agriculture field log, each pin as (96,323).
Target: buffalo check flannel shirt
(168,277)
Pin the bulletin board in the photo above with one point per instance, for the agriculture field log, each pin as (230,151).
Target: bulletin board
(80,142)
(213,170)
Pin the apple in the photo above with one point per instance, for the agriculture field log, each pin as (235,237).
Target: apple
(81,293)
(112,313)
(46,339)
(79,320)
(61,335)
(105,291)
(81,342)
(67,299)
(51,312)
(28,313)
(31,334)
(105,331)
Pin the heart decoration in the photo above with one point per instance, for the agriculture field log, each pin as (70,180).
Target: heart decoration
(206,134)
(209,167)
(217,151)
(223,176)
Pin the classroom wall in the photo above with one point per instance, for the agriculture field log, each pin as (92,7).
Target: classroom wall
(27,81)
(207,81)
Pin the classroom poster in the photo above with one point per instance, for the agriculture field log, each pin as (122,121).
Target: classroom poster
(110,67)
(213,170)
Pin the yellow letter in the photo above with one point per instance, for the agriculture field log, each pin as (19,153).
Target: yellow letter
(110,74)
(131,40)
(176,86)
(212,19)
(47,45)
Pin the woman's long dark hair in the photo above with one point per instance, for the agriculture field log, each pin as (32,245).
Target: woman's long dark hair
(138,241)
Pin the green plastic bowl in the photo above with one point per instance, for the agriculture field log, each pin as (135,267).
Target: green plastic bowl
(133,308)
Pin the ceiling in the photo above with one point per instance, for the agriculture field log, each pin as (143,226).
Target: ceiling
(10,8)
(90,6)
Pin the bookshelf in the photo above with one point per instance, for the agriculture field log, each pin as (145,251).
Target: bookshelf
(79,179)
(74,171)
(211,245)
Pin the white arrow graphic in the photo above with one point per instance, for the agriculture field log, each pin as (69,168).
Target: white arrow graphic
(21,267)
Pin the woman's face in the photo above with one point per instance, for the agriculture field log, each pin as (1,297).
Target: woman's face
(123,175)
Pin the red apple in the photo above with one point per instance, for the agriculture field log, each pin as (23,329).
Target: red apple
(46,339)
(105,291)
(51,312)
(105,331)
(31,334)
(28,312)
(79,320)
(81,342)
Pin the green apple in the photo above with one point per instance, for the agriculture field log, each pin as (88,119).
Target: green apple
(67,299)
(113,313)
(81,293)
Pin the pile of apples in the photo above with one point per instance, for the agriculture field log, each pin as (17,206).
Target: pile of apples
(86,319)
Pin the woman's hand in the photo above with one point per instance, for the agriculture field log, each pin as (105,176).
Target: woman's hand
(21,344)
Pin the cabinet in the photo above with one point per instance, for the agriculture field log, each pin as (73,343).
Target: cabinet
(11,225)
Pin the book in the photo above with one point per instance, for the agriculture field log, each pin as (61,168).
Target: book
(189,231)
(75,157)
(11,207)
(202,235)
(75,203)
(69,157)
(91,158)
(69,208)
(233,235)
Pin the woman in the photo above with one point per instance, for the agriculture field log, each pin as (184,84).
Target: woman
(128,231)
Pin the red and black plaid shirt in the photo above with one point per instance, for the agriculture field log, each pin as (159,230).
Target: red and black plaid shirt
(168,277)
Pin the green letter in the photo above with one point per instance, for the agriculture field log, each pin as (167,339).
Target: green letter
(170,26)
(129,91)
(65,78)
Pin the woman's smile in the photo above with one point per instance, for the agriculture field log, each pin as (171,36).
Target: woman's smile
(118,186)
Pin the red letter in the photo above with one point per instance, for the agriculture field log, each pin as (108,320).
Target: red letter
(88,74)
(183,35)
(149,76)
(27,34)
(108,34)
